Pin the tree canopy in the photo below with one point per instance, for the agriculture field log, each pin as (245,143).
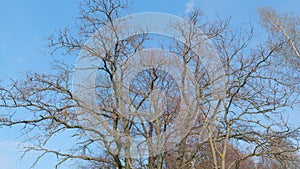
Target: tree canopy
(208,97)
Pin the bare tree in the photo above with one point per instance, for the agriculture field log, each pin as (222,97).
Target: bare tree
(244,128)
(283,28)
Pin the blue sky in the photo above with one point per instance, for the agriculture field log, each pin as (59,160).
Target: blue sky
(25,24)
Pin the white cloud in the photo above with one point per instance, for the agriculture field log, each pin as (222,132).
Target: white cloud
(189,6)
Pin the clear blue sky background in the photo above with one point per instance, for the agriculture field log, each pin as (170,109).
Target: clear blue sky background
(25,24)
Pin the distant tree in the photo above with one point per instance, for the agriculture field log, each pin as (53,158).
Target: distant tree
(249,129)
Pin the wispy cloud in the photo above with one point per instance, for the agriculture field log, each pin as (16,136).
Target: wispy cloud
(9,154)
(189,6)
